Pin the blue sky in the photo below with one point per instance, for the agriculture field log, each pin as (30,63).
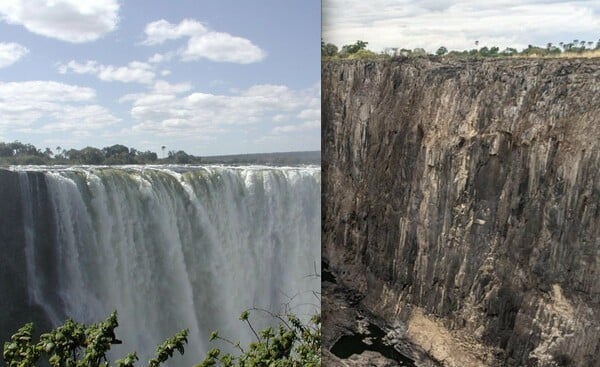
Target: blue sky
(207,77)
(457,24)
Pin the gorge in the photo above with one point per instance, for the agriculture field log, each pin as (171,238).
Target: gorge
(168,247)
(461,205)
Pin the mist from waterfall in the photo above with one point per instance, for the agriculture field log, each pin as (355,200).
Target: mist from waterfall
(171,247)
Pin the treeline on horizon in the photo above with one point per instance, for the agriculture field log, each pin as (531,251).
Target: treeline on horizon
(17,153)
(359,50)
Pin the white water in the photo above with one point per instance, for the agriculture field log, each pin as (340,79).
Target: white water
(178,247)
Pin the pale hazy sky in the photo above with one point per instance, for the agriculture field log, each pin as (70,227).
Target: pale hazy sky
(208,77)
(457,24)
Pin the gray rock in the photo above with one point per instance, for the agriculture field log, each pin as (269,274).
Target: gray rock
(470,189)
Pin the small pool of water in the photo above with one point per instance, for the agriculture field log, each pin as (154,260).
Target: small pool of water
(372,341)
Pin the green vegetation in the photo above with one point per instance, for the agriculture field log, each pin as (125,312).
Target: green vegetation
(17,153)
(358,50)
(75,345)
(292,344)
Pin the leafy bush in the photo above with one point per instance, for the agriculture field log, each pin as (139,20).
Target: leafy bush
(75,345)
(292,344)
(363,54)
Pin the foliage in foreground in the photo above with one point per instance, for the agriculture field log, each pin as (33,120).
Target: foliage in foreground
(292,344)
(75,345)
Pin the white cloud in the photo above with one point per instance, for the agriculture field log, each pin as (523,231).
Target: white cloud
(202,43)
(310,120)
(305,126)
(44,91)
(162,86)
(135,71)
(171,109)
(11,53)
(223,47)
(90,67)
(161,30)
(45,106)
(457,24)
(80,118)
(67,20)
(280,118)
(158,58)
(310,114)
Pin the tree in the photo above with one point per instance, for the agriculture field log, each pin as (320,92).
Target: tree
(441,51)
(180,157)
(119,154)
(354,48)
(75,345)
(146,157)
(6,150)
(363,54)
(115,150)
(90,155)
(509,51)
(419,52)
(292,344)
(328,49)
(405,52)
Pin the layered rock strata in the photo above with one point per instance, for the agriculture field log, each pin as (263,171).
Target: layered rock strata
(467,192)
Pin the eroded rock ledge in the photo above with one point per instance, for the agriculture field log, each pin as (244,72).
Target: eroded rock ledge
(470,190)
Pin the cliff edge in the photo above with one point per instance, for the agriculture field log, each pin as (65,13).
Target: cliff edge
(462,199)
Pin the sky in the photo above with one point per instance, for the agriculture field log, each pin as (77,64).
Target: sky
(457,24)
(206,77)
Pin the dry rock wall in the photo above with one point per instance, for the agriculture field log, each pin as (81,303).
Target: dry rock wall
(470,190)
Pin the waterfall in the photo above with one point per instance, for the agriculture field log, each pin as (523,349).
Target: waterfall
(170,247)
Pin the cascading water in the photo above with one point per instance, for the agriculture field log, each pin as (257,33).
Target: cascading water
(168,248)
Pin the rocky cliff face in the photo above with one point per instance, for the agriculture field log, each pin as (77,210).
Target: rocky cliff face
(467,193)
(17,308)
